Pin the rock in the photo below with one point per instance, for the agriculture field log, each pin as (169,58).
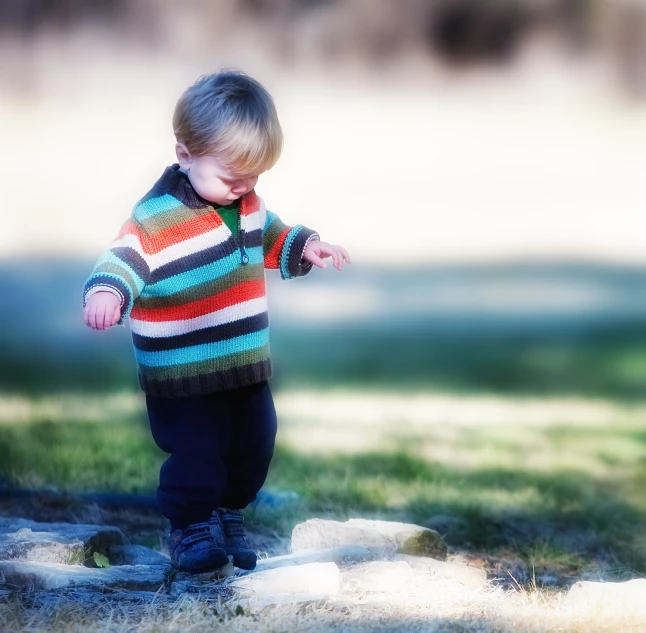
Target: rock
(383,536)
(627,596)
(184,582)
(136,555)
(263,604)
(56,576)
(312,578)
(339,555)
(66,543)
(377,577)
(97,599)
(471,577)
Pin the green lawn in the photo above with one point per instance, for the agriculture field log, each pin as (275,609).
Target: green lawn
(555,482)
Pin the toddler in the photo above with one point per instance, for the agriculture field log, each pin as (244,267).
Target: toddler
(188,271)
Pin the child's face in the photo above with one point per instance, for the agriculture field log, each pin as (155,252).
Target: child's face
(212,180)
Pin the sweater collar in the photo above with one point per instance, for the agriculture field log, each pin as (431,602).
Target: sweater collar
(176,183)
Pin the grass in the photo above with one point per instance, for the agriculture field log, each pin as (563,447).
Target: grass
(556,483)
(417,610)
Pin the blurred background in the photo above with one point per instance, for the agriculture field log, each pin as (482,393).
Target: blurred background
(483,162)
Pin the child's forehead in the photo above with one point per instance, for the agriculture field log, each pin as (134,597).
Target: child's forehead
(226,172)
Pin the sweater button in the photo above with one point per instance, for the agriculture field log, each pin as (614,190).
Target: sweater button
(245,259)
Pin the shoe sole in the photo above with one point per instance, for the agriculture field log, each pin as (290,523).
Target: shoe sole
(216,561)
(247,564)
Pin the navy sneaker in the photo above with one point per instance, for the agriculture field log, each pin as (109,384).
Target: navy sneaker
(230,524)
(194,549)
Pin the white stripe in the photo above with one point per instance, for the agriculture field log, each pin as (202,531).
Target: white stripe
(188,247)
(218,317)
(94,289)
(128,241)
(192,245)
(255,220)
(176,251)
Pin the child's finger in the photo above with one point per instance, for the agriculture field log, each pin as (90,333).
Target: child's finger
(91,317)
(345,254)
(317,261)
(100,317)
(117,315)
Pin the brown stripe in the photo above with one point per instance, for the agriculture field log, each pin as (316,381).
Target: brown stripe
(109,267)
(168,219)
(272,234)
(252,272)
(208,383)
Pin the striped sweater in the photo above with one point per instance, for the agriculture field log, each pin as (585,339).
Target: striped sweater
(194,292)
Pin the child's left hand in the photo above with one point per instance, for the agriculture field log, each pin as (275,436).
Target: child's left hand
(316,250)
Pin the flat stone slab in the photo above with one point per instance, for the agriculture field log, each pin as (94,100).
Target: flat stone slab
(57,576)
(338,555)
(377,577)
(263,604)
(384,536)
(611,596)
(66,543)
(206,583)
(136,555)
(312,578)
(471,577)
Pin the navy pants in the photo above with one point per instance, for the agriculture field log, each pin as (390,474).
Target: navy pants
(220,447)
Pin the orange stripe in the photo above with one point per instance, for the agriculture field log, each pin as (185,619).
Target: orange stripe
(172,235)
(273,256)
(250,203)
(242,292)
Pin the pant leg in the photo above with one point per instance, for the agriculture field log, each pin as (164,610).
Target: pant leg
(252,444)
(196,433)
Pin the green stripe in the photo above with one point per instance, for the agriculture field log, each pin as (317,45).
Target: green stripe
(123,272)
(190,370)
(157,223)
(272,234)
(252,272)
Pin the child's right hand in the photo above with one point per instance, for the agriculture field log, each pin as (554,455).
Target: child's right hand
(102,310)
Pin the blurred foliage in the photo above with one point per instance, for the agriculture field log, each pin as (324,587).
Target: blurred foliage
(405,341)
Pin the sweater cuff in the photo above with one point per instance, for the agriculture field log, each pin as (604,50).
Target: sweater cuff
(114,285)
(292,263)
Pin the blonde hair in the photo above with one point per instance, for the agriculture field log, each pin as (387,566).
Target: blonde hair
(231,116)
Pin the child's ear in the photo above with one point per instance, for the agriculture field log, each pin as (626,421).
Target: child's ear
(183,156)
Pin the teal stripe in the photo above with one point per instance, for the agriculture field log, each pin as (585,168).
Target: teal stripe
(155,206)
(270,219)
(284,255)
(199,353)
(197,276)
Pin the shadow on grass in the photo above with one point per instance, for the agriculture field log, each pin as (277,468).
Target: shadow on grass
(562,514)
